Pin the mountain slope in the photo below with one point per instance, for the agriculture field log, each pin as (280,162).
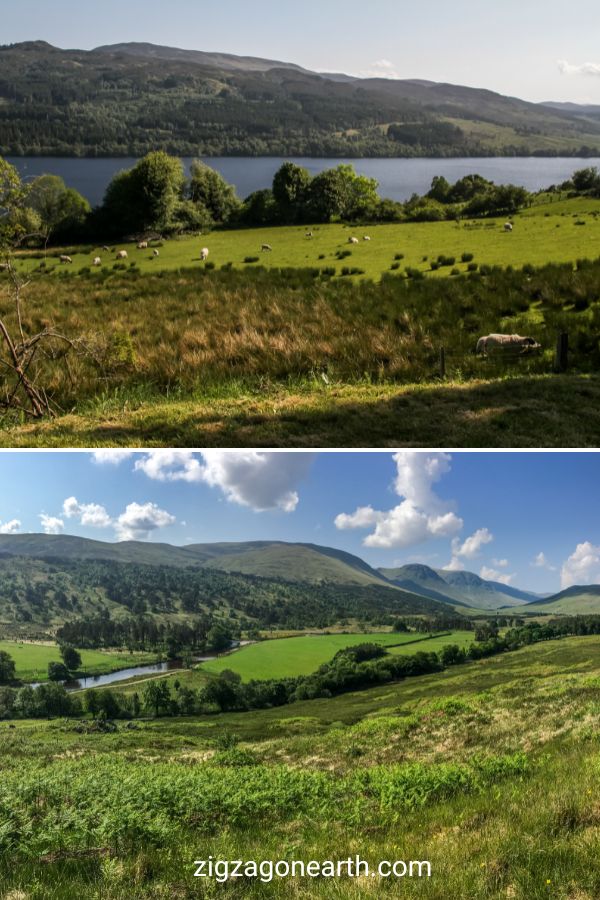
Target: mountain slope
(457,588)
(46,580)
(577,600)
(129,98)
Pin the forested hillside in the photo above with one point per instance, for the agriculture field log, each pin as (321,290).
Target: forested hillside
(129,99)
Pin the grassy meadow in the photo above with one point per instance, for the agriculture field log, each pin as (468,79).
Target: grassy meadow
(31,659)
(285,353)
(551,231)
(289,657)
(489,770)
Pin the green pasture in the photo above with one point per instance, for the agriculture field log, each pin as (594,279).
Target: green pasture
(288,657)
(489,770)
(547,232)
(31,660)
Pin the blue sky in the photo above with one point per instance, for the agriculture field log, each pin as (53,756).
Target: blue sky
(489,513)
(513,47)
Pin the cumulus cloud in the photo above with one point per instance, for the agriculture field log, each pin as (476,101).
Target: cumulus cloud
(51,524)
(420,516)
(489,574)
(111,457)
(471,547)
(139,521)
(500,563)
(381,68)
(468,549)
(541,562)
(11,527)
(588,68)
(91,514)
(259,480)
(582,567)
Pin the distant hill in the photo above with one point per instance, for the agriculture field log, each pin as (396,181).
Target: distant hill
(577,600)
(128,98)
(457,588)
(227,62)
(46,580)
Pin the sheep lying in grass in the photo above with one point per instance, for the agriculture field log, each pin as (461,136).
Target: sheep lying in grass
(499,343)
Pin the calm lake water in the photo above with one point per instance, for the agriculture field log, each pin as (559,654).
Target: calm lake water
(398,178)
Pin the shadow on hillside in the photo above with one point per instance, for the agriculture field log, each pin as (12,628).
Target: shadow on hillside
(560,411)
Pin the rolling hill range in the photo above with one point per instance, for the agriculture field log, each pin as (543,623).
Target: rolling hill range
(457,588)
(577,600)
(46,580)
(126,99)
(50,578)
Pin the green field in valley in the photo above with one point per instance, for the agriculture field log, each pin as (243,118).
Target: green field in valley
(560,231)
(31,660)
(289,657)
(488,770)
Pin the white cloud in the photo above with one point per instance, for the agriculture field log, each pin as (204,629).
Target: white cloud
(455,565)
(11,527)
(540,562)
(139,521)
(170,465)
(582,567)
(493,575)
(111,457)
(252,478)
(471,547)
(91,514)
(51,524)
(422,515)
(364,517)
(381,68)
(500,563)
(588,68)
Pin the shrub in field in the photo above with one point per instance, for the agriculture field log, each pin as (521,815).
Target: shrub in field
(467,257)
(251,259)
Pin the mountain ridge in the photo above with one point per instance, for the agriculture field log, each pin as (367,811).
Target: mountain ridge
(125,99)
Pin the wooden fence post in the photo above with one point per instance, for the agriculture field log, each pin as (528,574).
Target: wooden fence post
(442,363)
(562,352)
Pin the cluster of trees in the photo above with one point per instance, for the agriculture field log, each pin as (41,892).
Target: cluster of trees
(584,182)
(361,666)
(155,197)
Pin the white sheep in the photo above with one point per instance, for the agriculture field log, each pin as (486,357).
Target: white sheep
(66,260)
(143,245)
(97,262)
(353,240)
(122,254)
(204,254)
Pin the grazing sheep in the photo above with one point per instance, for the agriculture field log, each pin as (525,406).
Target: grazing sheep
(143,245)
(155,254)
(367,238)
(106,249)
(122,254)
(97,262)
(266,248)
(309,234)
(204,254)
(353,240)
(508,226)
(501,342)
(66,260)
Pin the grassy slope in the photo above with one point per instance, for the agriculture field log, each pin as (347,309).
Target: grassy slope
(526,836)
(513,412)
(583,604)
(538,238)
(303,655)
(32,659)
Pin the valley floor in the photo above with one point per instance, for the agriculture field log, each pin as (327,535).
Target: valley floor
(490,771)
(544,411)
